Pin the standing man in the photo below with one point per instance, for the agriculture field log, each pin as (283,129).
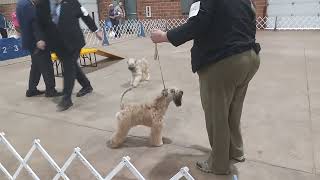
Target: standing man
(120,10)
(3,23)
(60,21)
(33,40)
(114,18)
(225,56)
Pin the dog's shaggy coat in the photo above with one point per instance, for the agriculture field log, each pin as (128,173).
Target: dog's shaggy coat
(150,115)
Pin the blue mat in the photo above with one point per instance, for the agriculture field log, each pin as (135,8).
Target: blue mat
(10,48)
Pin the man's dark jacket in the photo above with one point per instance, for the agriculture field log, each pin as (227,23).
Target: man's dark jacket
(67,34)
(222,28)
(30,30)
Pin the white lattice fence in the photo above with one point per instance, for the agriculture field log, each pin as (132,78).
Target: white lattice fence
(125,162)
(289,23)
(137,28)
(262,23)
(11,31)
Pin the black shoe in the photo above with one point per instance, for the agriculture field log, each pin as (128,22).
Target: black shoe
(54,93)
(84,91)
(64,105)
(31,93)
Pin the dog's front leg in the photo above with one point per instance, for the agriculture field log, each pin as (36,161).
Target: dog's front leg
(131,80)
(156,135)
(120,135)
(147,74)
(137,80)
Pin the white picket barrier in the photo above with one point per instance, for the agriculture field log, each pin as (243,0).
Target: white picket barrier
(184,172)
(134,28)
(125,162)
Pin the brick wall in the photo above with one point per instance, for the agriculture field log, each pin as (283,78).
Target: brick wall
(166,8)
(103,7)
(7,9)
(261,7)
(160,9)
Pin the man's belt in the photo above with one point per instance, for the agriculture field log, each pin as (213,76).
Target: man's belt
(256,47)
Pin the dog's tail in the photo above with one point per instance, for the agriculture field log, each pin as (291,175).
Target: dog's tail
(122,95)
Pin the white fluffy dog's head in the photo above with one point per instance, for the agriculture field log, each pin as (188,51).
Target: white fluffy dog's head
(132,64)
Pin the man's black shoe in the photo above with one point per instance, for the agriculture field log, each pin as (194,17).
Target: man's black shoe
(84,91)
(54,93)
(64,105)
(31,93)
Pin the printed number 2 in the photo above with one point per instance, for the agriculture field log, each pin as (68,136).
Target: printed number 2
(16,48)
(4,50)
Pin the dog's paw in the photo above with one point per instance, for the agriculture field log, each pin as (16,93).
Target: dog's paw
(156,144)
(112,144)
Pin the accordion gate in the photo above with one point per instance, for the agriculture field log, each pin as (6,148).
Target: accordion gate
(125,162)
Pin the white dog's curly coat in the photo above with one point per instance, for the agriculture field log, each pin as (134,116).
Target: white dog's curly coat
(150,115)
(139,69)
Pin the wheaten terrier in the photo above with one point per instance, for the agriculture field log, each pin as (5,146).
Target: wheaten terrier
(139,69)
(150,115)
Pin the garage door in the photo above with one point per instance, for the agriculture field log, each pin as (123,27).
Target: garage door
(291,14)
(91,6)
(294,8)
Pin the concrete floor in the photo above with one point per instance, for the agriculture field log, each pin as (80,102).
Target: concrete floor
(281,118)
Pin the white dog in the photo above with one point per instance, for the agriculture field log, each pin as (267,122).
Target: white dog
(139,69)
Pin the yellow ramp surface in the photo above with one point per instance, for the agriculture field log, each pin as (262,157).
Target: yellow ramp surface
(85,51)
(109,55)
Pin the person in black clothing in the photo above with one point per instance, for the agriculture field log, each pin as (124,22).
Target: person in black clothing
(59,19)
(225,56)
(3,31)
(34,41)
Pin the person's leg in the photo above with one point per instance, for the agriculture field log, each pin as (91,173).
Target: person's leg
(46,69)
(4,33)
(117,29)
(221,97)
(83,81)
(215,97)
(34,77)
(236,142)
(69,61)
(81,77)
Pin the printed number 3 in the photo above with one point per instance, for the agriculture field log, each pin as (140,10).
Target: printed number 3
(16,48)
(4,50)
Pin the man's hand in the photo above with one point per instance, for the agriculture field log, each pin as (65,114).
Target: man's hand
(99,35)
(41,45)
(158,36)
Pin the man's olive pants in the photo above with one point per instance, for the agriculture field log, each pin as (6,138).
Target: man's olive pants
(223,87)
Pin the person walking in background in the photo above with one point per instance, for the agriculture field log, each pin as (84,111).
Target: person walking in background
(119,9)
(59,20)
(114,18)
(33,40)
(3,26)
